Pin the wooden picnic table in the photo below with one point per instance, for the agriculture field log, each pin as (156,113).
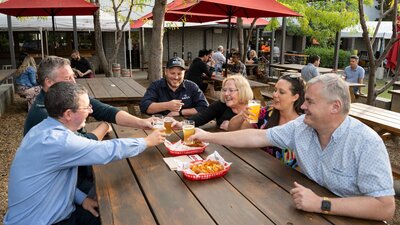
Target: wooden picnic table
(117,91)
(302,58)
(143,190)
(255,86)
(351,86)
(381,120)
(298,67)
(6,75)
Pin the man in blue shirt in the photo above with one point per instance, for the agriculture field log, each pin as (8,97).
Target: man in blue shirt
(333,149)
(310,70)
(43,175)
(354,73)
(172,95)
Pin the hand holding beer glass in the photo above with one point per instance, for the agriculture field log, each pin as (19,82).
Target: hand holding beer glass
(188,130)
(254,110)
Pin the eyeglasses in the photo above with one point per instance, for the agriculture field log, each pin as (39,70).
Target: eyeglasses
(230,90)
(89,108)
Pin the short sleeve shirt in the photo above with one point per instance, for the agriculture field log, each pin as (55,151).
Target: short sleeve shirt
(354,163)
(352,76)
(309,71)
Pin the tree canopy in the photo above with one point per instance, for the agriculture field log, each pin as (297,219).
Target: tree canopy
(322,19)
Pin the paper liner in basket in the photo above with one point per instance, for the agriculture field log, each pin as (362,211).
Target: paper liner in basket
(180,147)
(185,166)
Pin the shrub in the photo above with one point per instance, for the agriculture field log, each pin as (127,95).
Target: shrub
(327,54)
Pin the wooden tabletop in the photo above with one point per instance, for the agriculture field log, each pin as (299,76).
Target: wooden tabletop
(143,190)
(5,74)
(386,120)
(298,67)
(118,91)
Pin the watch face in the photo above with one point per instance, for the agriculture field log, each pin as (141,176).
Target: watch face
(326,205)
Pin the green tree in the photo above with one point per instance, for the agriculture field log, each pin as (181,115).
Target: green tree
(322,19)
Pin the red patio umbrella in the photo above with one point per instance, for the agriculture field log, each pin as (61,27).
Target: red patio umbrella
(238,8)
(47,8)
(248,21)
(392,56)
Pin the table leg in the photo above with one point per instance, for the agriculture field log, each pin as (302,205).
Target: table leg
(352,95)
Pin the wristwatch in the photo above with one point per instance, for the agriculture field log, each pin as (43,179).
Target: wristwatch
(180,112)
(326,205)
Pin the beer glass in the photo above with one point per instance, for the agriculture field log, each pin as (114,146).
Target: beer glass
(168,125)
(254,108)
(158,123)
(188,130)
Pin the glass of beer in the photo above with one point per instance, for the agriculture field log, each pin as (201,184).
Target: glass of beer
(158,123)
(254,108)
(168,125)
(188,130)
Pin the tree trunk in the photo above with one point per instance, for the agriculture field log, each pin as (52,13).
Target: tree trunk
(99,42)
(373,62)
(248,37)
(156,46)
(242,50)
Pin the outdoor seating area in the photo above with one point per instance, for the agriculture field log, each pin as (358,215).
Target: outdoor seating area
(207,112)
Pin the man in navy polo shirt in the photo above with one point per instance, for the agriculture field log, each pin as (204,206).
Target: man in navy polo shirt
(172,95)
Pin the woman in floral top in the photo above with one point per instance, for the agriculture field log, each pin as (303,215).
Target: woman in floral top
(288,97)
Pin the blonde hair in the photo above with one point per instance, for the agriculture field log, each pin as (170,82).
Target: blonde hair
(243,86)
(252,54)
(28,61)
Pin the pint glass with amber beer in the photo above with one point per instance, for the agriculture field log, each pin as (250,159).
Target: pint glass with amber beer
(254,109)
(168,125)
(188,130)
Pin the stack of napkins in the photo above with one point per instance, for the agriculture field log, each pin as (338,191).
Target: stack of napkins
(172,162)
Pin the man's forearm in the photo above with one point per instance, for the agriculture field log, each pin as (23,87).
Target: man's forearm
(255,138)
(189,112)
(380,208)
(157,107)
(125,119)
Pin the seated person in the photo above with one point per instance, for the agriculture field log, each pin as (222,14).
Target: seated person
(53,69)
(288,97)
(199,71)
(27,85)
(253,59)
(235,94)
(333,149)
(172,95)
(43,174)
(354,73)
(219,58)
(236,66)
(81,66)
(310,70)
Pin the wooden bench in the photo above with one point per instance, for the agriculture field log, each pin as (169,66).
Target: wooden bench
(6,97)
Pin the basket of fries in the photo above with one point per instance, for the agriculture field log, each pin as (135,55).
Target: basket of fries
(180,148)
(212,167)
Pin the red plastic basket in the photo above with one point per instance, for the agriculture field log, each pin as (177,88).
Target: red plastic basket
(206,176)
(186,152)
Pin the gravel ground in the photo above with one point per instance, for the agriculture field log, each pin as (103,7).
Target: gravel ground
(11,128)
